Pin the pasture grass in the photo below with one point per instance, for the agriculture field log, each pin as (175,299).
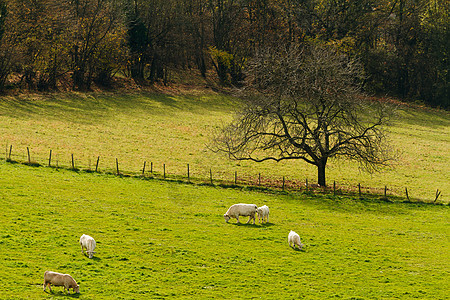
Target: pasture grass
(164,240)
(174,129)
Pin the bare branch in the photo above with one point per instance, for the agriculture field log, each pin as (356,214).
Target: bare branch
(305,103)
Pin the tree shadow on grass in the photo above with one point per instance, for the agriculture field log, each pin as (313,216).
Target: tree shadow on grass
(83,108)
(86,107)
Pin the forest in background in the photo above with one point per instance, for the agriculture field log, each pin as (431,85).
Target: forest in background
(402,44)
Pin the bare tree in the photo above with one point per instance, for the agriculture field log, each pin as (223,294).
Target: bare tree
(305,103)
(96,37)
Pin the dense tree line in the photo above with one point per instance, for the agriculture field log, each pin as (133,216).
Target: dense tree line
(402,44)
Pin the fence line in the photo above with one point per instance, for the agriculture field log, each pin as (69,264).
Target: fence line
(281,183)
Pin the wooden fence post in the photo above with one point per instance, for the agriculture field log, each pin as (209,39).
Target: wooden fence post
(50,159)
(235,177)
(385,192)
(438,193)
(151,167)
(10,149)
(407,196)
(143,169)
(73,163)
(359,190)
(96,165)
(164,166)
(210,176)
(117,167)
(188,172)
(283,183)
(306,183)
(29,159)
(334,188)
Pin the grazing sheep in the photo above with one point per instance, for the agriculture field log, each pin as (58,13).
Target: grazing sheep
(58,279)
(294,239)
(241,209)
(87,242)
(263,213)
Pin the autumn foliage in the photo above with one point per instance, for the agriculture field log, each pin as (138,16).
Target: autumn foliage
(403,45)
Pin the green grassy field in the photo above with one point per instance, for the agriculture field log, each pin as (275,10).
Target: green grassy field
(162,240)
(174,130)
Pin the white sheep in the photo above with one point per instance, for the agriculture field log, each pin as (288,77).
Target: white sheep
(58,279)
(263,213)
(294,239)
(88,243)
(241,209)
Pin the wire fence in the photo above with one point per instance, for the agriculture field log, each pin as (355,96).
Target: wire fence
(207,176)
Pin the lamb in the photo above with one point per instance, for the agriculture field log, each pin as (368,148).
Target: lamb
(263,213)
(241,209)
(294,239)
(87,242)
(58,279)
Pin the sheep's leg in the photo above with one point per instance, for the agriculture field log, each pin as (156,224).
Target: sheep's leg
(237,218)
(82,249)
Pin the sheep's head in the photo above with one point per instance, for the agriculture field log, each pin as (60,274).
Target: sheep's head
(226,217)
(76,289)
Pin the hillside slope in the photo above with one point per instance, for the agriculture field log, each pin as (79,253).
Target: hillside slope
(173,129)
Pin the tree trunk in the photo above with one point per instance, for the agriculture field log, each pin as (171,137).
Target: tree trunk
(137,70)
(321,174)
(222,72)
(201,64)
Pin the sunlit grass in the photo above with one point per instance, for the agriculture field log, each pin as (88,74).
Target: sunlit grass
(175,129)
(163,240)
